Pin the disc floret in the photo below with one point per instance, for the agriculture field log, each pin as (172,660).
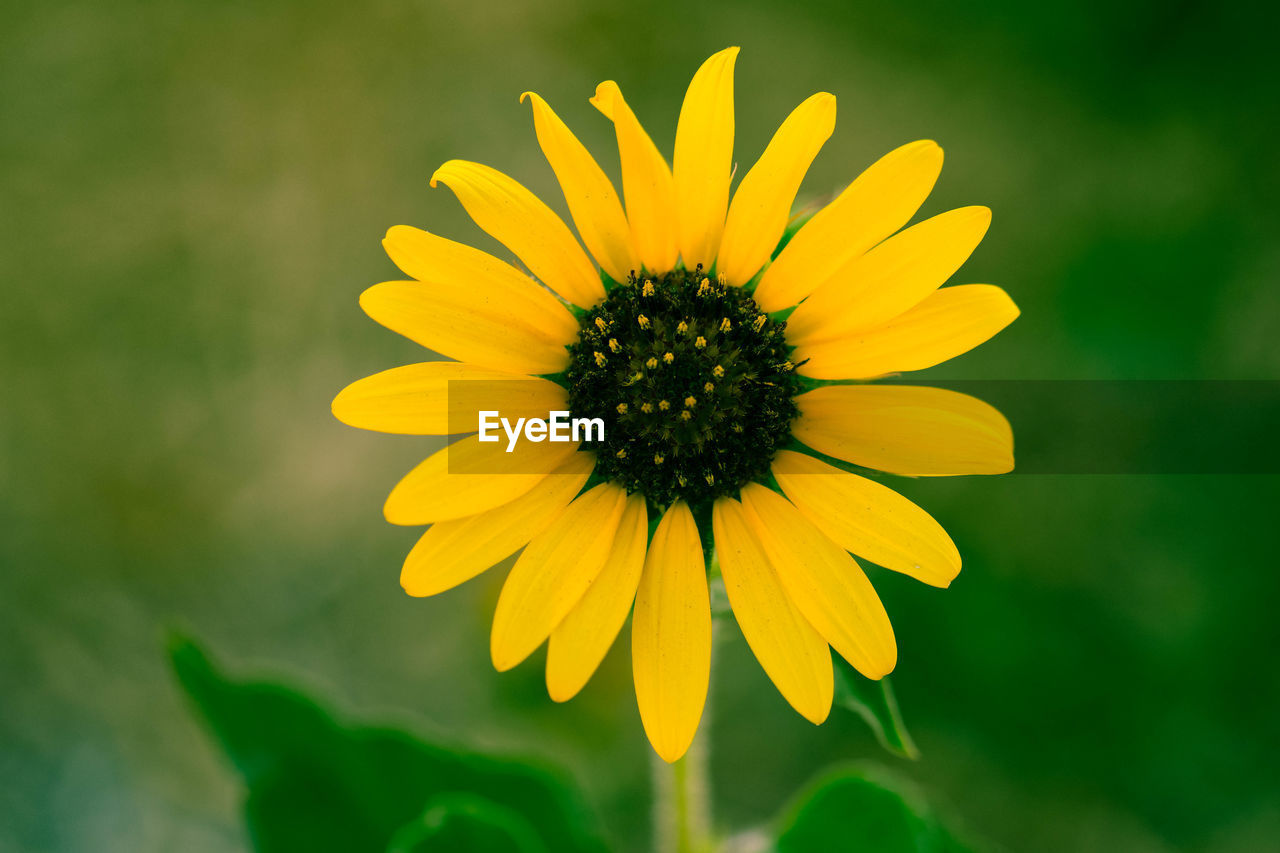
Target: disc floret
(694,383)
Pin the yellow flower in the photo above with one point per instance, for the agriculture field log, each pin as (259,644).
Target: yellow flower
(689,275)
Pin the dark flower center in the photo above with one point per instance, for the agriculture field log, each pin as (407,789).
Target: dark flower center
(694,384)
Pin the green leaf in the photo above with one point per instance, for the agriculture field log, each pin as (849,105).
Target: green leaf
(863,808)
(454,822)
(875,703)
(317,784)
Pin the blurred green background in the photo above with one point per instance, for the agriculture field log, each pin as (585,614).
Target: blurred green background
(193,195)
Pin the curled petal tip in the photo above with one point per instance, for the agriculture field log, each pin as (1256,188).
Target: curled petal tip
(396,231)
(603,99)
(444,169)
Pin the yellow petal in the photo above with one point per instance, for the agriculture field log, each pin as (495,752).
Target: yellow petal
(792,653)
(470,476)
(442,398)
(580,642)
(671,635)
(517,219)
(553,574)
(438,261)
(826,584)
(906,429)
(948,323)
(646,183)
(451,552)
(470,321)
(878,203)
(891,278)
(871,520)
(762,204)
(704,159)
(593,204)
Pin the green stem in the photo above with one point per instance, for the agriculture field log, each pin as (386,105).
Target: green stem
(682,822)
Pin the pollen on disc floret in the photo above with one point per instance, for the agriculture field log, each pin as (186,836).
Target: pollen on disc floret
(694,382)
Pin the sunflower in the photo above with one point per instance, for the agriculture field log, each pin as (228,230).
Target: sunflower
(727,352)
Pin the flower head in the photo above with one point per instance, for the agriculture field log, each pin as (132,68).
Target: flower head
(719,364)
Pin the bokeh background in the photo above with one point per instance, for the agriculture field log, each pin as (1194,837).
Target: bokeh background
(193,195)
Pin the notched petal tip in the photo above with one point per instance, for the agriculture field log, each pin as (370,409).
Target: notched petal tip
(399,236)
(945,581)
(605,98)
(929,151)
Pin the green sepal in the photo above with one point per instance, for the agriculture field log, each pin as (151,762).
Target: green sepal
(793,227)
(608,281)
(875,703)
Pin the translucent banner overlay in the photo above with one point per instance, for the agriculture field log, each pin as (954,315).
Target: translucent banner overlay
(1059,426)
